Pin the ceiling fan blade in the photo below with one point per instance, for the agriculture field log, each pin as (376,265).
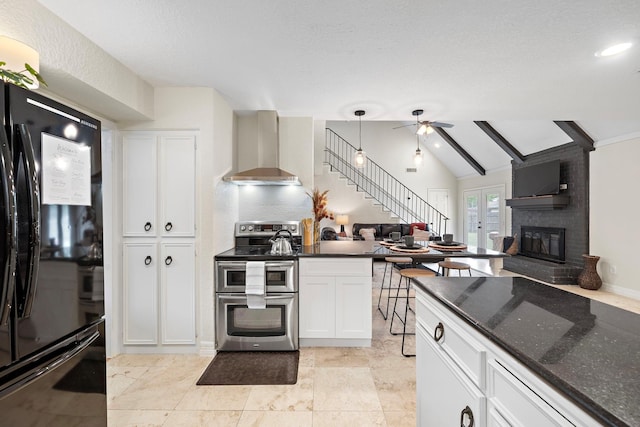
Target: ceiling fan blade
(440,125)
(404,126)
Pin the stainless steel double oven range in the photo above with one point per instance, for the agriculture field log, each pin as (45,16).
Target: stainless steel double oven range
(274,328)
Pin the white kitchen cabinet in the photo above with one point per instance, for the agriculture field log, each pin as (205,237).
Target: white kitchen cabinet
(158,227)
(335,301)
(158,184)
(317,298)
(140,293)
(448,397)
(159,293)
(353,314)
(516,403)
(177,283)
(464,368)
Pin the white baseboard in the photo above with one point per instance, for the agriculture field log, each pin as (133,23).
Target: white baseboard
(620,290)
(207,348)
(138,349)
(334,342)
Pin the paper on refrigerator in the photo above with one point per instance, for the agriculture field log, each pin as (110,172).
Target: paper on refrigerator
(66,172)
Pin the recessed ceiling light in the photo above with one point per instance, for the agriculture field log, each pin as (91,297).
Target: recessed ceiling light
(615,49)
(436,144)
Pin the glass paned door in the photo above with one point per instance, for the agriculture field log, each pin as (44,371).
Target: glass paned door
(483,216)
(471,217)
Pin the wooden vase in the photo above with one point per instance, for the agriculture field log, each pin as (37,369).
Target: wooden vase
(589,278)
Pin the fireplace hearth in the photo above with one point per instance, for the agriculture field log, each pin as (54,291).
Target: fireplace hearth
(545,243)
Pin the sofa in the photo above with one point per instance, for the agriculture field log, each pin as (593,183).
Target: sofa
(328,233)
(382,231)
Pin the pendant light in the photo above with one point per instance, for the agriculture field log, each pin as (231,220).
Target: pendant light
(360,157)
(417,158)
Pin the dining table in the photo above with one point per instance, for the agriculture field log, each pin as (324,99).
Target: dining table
(427,252)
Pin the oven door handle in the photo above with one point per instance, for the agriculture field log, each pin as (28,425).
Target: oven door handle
(244,298)
(283,264)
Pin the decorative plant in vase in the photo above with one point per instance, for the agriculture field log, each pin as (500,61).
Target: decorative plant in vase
(20,78)
(319,200)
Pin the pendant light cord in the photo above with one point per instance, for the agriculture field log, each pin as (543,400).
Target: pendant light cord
(360,133)
(360,113)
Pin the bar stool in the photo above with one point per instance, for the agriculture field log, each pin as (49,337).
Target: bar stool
(453,265)
(408,274)
(394,261)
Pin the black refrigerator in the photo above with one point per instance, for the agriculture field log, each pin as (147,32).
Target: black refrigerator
(52,345)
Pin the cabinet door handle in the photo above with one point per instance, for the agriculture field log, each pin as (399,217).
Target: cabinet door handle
(438,332)
(147,260)
(147,226)
(168,226)
(168,260)
(469,413)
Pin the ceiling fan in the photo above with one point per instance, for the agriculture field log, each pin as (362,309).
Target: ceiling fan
(425,126)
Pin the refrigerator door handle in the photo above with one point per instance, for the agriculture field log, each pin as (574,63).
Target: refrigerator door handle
(71,351)
(34,218)
(11,242)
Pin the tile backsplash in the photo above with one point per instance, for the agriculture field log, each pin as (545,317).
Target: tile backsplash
(268,203)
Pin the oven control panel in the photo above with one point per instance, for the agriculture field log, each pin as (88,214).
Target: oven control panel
(266,228)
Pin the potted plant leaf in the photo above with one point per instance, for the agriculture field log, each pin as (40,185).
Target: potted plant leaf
(22,78)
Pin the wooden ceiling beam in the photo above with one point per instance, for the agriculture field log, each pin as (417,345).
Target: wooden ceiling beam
(452,142)
(501,141)
(576,133)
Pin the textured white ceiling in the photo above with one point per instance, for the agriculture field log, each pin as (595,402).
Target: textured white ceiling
(460,61)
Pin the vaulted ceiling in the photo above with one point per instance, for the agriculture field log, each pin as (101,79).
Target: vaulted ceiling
(517,65)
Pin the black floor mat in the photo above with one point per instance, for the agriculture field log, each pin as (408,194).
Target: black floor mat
(252,368)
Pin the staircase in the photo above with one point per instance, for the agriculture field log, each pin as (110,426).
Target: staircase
(378,184)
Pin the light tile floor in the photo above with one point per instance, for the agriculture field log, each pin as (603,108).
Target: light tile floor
(336,387)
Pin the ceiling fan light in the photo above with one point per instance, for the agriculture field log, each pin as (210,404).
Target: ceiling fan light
(424,128)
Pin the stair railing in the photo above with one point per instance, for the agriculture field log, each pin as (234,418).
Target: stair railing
(380,185)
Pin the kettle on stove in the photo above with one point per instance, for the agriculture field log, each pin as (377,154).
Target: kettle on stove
(281,245)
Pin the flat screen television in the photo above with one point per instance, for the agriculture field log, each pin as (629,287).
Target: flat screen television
(537,180)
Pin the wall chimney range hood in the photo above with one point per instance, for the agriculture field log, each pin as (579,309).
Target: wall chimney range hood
(263,176)
(258,146)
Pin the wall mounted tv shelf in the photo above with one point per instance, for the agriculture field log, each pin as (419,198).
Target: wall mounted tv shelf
(549,202)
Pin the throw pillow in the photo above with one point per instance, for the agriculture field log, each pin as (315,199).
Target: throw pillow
(498,243)
(420,234)
(368,233)
(510,245)
(419,225)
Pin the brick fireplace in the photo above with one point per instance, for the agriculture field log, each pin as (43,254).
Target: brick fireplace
(572,219)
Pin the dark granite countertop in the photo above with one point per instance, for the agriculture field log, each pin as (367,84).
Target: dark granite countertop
(588,350)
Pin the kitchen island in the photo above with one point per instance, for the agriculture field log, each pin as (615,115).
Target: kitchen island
(334,285)
(510,351)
